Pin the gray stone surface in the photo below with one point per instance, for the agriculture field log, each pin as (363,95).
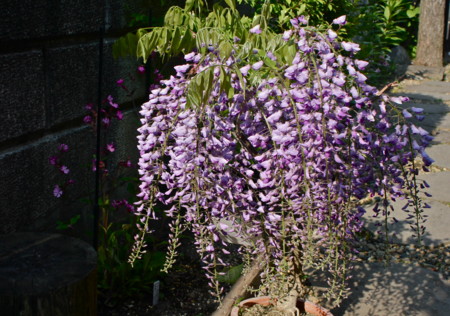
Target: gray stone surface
(71,81)
(49,61)
(27,180)
(22,94)
(429,108)
(123,68)
(25,19)
(441,155)
(435,121)
(438,90)
(422,72)
(441,137)
(437,225)
(440,185)
(398,289)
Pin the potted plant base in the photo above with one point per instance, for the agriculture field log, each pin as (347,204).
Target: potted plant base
(266,301)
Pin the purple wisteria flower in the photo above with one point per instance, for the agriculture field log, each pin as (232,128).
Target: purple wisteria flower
(63,148)
(275,158)
(64,169)
(256,29)
(340,20)
(57,191)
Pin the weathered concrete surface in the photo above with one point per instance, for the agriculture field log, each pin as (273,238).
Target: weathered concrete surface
(426,90)
(424,72)
(398,289)
(49,61)
(437,225)
(22,91)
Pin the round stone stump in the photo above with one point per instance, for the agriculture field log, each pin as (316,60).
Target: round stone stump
(47,275)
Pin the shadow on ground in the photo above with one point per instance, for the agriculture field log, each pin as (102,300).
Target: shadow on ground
(397,289)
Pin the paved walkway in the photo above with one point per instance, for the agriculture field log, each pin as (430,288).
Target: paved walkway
(407,289)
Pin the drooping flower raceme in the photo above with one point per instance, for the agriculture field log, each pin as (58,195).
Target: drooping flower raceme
(273,151)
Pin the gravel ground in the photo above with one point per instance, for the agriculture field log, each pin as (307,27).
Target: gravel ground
(435,258)
(185,291)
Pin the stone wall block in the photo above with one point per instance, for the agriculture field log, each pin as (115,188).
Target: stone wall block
(135,85)
(71,80)
(124,135)
(27,181)
(22,93)
(29,19)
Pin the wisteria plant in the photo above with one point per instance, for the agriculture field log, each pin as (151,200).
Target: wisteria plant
(273,144)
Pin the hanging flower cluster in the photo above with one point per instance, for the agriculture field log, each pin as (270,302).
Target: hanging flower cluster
(274,152)
(57,162)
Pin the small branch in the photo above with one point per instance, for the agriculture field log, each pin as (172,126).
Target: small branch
(239,289)
(387,87)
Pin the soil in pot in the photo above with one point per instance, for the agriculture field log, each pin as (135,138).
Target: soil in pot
(264,306)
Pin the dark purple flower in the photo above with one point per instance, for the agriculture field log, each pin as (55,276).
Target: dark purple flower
(57,191)
(87,119)
(64,169)
(53,160)
(63,148)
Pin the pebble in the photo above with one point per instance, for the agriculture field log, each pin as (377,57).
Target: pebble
(436,258)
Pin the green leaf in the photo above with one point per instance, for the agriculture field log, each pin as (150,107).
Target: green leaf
(148,43)
(176,41)
(125,45)
(225,82)
(231,4)
(241,78)
(387,13)
(413,12)
(302,8)
(208,84)
(187,42)
(61,226)
(75,219)
(200,87)
(189,5)
(232,275)
(175,16)
(225,49)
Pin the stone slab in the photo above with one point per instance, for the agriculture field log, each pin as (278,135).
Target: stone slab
(25,19)
(27,181)
(22,94)
(441,155)
(428,107)
(437,90)
(71,81)
(423,72)
(435,122)
(398,289)
(437,225)
(441,137)
(439,185)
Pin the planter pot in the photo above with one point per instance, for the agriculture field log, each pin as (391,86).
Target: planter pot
(303,306)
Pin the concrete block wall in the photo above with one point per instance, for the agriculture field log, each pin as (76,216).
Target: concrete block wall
(49,70)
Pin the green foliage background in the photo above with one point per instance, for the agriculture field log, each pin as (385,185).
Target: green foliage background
(378,26)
